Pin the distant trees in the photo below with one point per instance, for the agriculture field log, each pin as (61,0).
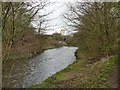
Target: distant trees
(97,26)
(17,19)
(58,36)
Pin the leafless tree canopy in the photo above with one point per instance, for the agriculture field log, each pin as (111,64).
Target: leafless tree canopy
(97,25)
(18,17)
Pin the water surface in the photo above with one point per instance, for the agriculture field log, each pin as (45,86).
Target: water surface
(39,68)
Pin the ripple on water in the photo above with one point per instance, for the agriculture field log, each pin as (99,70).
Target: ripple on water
(39,68)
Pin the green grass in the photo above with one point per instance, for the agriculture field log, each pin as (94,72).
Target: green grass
(62,75)
(97,76)
(87,75)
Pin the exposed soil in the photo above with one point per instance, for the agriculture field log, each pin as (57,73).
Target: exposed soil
(113,79)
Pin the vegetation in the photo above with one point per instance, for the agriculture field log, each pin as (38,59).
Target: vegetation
(58,36)
(20,39)
(97,37)
(82,74)
(97,26)
(19,35)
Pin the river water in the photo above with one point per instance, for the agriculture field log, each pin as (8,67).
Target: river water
(39,68)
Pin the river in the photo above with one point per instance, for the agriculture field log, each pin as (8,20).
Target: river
(39,68)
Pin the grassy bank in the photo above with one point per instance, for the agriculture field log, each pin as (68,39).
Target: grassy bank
(82,74)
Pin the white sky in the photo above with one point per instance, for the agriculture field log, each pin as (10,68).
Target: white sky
(59,8)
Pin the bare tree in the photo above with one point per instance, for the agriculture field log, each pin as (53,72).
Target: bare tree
(17,16)
(96,24)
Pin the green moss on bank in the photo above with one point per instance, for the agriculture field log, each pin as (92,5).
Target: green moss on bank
(81,74)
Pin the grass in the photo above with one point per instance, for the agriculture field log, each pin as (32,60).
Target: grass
(80,74)
(59,76)
(97,75)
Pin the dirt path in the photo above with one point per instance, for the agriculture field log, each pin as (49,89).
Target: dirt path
(113,80)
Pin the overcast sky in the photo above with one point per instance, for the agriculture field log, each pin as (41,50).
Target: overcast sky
(59,8)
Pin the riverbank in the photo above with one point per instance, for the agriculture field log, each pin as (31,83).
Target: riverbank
(28,72)
(82,74)
(22,51)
